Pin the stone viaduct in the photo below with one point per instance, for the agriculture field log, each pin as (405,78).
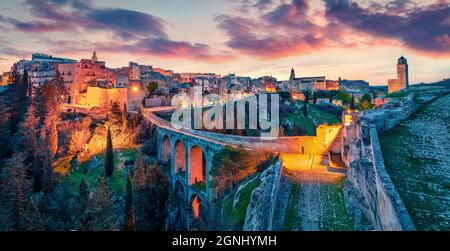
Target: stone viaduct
(190,153)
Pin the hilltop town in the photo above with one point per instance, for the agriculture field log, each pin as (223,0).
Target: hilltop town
(100,142)
(90,83)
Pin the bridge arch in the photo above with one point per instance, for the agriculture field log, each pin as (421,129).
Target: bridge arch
(180,157)
(166,148)
(197,166)
(198,209)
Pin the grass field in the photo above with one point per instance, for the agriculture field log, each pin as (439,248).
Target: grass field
(93,169)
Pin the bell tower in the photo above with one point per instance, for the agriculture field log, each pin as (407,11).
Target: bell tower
(94,57)
(292,77)
(402,73)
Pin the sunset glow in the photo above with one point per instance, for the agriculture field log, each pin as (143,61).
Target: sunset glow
(251,38)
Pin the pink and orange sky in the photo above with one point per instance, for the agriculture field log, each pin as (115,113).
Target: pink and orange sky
(336,38)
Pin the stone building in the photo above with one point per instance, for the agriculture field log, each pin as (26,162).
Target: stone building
(306,83)
(402,81)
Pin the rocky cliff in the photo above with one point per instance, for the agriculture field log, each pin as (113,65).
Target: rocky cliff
(260,210)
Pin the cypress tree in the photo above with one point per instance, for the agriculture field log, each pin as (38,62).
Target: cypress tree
(352,102)
(74,163)
(306,94)
(48,177)
(25,84)
(124,117)
(85,206)
(83,190)
(104,212)
(305,110)
(129,221)
(109,155)
(44,177)
(314,98)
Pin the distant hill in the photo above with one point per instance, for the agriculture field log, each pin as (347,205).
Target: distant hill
(445,82)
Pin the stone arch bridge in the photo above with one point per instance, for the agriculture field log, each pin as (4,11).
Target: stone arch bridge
(190,153)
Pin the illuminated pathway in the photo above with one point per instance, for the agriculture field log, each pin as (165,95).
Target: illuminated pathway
(316,200)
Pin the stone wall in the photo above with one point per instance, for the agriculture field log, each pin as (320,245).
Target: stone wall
(320,144)
(98,97)
(368,187)
(260,210)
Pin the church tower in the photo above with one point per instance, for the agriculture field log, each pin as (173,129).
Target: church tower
(402,73)
(94,57)
(292,77)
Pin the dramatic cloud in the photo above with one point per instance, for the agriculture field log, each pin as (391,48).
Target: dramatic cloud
(425,29)
(126,23)
(138,31)
(282,31)
(296,28)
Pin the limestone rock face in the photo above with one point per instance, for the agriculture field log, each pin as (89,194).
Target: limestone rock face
(260,209)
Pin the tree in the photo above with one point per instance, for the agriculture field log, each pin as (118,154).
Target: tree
(124,118)
(74,163)
(44,178)
(104,212)
(85,207)
(29,133)
(152,207)
(48,177)
(17,102)
(307,95)
(48,97)
(129,219)
(352,102)
(366,101)
(344,97)
(331,95)
(62,207)
(5,219)
(139,184)
(151,87)
(50,124)
(37,173)
(25,84)
(33,219)
(314,97)
(15,187)
(109,155)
